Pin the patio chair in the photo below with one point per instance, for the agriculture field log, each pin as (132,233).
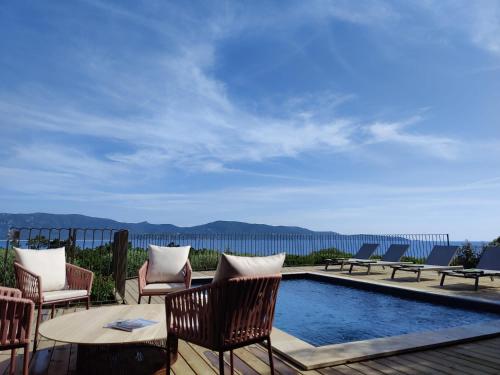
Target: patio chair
(234,311)
(438,260)
(167,270)
(365,252)
(44,277)
(392,257)
(16,315)
(488,266)
(224,316)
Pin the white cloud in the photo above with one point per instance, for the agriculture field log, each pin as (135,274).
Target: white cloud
(395,132)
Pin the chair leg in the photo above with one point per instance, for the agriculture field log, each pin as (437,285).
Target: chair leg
(231,360)
(419,273)
(369,269)
(26,359)
(149,300)
(221,362)
(168,366)
(476,284)
(12,370)
(393,272)
(38,320)
(350,268)
(139,300)
(270,352)
(52,311)
(88,303)
(326,265)
(442,279)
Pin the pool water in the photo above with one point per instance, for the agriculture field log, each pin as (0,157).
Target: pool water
(323,313)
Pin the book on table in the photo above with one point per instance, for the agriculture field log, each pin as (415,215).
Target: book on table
(130,325)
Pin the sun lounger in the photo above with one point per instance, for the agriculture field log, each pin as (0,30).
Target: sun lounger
(488,266)
(364,253)
(439,259)
(392,257)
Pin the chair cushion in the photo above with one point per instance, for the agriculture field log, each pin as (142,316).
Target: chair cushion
(50,264)
(63,294)
(163,287)
(234,266)
(166,264)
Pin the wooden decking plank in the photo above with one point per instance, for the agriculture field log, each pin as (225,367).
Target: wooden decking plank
(363,369)
(491,353)
(214,360)
(72,359)
(211,358)
(40,361)
(280,366)
(59,362)
(193,359)
(492,343)
(445,367)
(182,367)
(473,357)
(247,363)
(411,366)
(339,370)
(449,356)
(374,364)
(401,368)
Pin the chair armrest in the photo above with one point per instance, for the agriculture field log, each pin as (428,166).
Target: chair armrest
(188,271)
(79,278)
(141,278)
(190,314)
(10,292)
(28,283)
(15,322)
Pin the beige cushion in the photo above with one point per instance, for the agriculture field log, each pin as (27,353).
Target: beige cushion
(234,266)
(63,294)
(50,264)
(166,264)
(163,287)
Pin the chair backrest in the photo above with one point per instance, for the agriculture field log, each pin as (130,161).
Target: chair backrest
(247,309)
(15,318)
(394,253)
(441,255)
(490,259)
(366,251)
(225,314)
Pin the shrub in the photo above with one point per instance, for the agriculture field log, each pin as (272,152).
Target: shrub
(103,289)
(467,256)
(7,279)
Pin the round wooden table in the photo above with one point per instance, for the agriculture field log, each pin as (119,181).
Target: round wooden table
(110,351)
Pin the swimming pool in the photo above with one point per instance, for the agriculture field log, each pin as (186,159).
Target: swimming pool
(323,313)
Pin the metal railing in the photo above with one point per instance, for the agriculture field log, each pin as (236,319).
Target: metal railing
(102,251)
(301,249)
(114,254)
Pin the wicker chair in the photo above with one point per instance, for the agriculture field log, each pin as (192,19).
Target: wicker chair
(161,289)
(78,280)
(16,315)
(223,316)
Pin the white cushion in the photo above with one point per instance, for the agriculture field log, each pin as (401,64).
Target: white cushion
(163,287)
(166,264)
(50,264)
(234,266)
(63,294)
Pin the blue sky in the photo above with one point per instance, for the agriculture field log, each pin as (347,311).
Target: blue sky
(353,116)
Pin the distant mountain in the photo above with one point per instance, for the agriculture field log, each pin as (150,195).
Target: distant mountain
(44,220)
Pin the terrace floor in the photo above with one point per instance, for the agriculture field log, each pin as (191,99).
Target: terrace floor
(479,357)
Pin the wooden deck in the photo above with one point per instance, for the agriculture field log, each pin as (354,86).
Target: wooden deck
(479,357)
